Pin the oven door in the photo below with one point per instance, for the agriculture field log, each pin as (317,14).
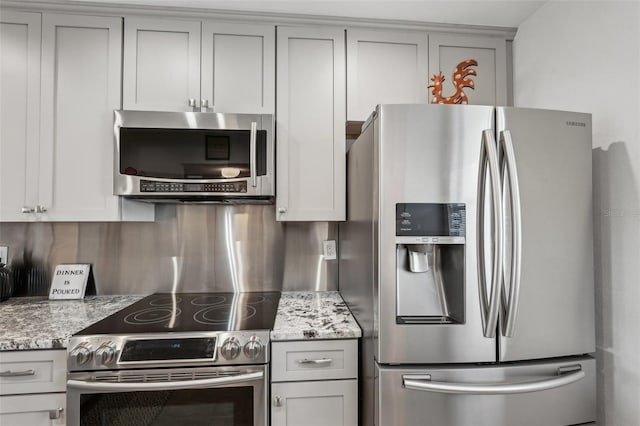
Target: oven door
(224,396)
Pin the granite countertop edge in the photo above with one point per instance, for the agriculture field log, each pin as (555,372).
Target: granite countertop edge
(36,323)
(313,315)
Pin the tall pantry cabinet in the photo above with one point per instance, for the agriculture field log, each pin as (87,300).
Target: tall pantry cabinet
(311,99)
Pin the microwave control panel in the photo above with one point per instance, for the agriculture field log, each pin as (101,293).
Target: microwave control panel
(151,186)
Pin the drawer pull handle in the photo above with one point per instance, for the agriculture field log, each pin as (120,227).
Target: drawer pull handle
(55,414)
(315,361)
(10,373)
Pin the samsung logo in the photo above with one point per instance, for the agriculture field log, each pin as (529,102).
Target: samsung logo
(576,124)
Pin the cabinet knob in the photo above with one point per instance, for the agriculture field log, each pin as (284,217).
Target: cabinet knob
(28,210)
(40,209)
(282,210)
(277,401)
(192,103)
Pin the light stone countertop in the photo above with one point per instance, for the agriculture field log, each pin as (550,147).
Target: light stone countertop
(314,315)
(39,323)
(28,323)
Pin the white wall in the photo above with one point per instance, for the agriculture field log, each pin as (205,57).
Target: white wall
(585,56)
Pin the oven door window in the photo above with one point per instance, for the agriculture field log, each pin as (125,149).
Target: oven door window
(190,153)
(195,407)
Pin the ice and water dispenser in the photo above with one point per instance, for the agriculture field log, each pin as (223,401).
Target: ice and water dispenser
(430,240)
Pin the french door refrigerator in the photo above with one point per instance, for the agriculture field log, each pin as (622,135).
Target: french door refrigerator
(467,260)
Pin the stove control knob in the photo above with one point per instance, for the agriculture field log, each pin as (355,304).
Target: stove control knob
(230,348)
(106,353)
(81,354)
(253,348)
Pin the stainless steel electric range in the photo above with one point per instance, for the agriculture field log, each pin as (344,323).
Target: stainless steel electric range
(191,358)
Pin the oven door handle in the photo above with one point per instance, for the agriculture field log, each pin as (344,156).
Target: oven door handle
(177,385)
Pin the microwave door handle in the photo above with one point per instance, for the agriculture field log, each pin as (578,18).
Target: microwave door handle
(177,385)
(252,154)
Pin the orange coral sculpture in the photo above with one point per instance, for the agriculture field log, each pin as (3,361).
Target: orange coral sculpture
(460,81)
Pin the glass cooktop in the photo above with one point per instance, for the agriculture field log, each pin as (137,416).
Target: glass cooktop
(186,312)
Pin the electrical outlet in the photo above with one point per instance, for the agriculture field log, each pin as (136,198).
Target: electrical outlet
(4,254)
(329,249)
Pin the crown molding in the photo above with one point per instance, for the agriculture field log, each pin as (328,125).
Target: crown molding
(123,10)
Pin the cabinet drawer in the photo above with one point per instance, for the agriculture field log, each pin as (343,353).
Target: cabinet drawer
(32,372)
(40,409)
(314,360)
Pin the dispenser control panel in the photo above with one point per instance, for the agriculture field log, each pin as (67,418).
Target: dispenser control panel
(430,220)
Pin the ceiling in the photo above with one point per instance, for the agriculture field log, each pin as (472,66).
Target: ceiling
(501,13)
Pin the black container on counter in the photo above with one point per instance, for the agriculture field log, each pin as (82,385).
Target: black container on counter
(6,283)
(30,278)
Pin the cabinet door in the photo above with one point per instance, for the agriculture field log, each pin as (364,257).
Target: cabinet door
(238,67)
(321,403)
(36,409)
(80,90)
(310,133)
(161,64)
(447,50)
(385,67)
(19,113)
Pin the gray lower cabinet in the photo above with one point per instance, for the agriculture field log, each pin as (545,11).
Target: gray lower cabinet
(314,383)
(32,387)
(318,403)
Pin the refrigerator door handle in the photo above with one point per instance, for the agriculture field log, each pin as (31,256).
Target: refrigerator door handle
(511,173)
(423,382)
(489,311)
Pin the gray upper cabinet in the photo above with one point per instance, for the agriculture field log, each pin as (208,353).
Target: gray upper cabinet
(311,153)
(238,67)
(446,51)
(161,64)
(57,138)
(19,113)
(385,67)
(226,67)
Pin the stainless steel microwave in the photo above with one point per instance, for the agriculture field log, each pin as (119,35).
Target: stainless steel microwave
(194,156)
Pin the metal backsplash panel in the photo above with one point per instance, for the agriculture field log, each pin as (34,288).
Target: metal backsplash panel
(189,248)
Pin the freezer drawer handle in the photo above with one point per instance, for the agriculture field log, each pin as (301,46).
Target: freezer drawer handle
(423,383)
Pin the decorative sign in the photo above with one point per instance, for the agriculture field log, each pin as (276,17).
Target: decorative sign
(460,81)
(70,281)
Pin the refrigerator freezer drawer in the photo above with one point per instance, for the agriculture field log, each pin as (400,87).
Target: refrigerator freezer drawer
(552,393)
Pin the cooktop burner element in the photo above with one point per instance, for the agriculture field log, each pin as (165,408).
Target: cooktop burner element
(151,316)
(224,314)
(163,300)
(208,300)
(184,329)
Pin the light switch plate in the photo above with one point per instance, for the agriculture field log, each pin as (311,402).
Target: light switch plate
(4,254)
(329,249)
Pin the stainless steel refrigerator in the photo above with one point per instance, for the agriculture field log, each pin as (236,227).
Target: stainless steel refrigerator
(467,260)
